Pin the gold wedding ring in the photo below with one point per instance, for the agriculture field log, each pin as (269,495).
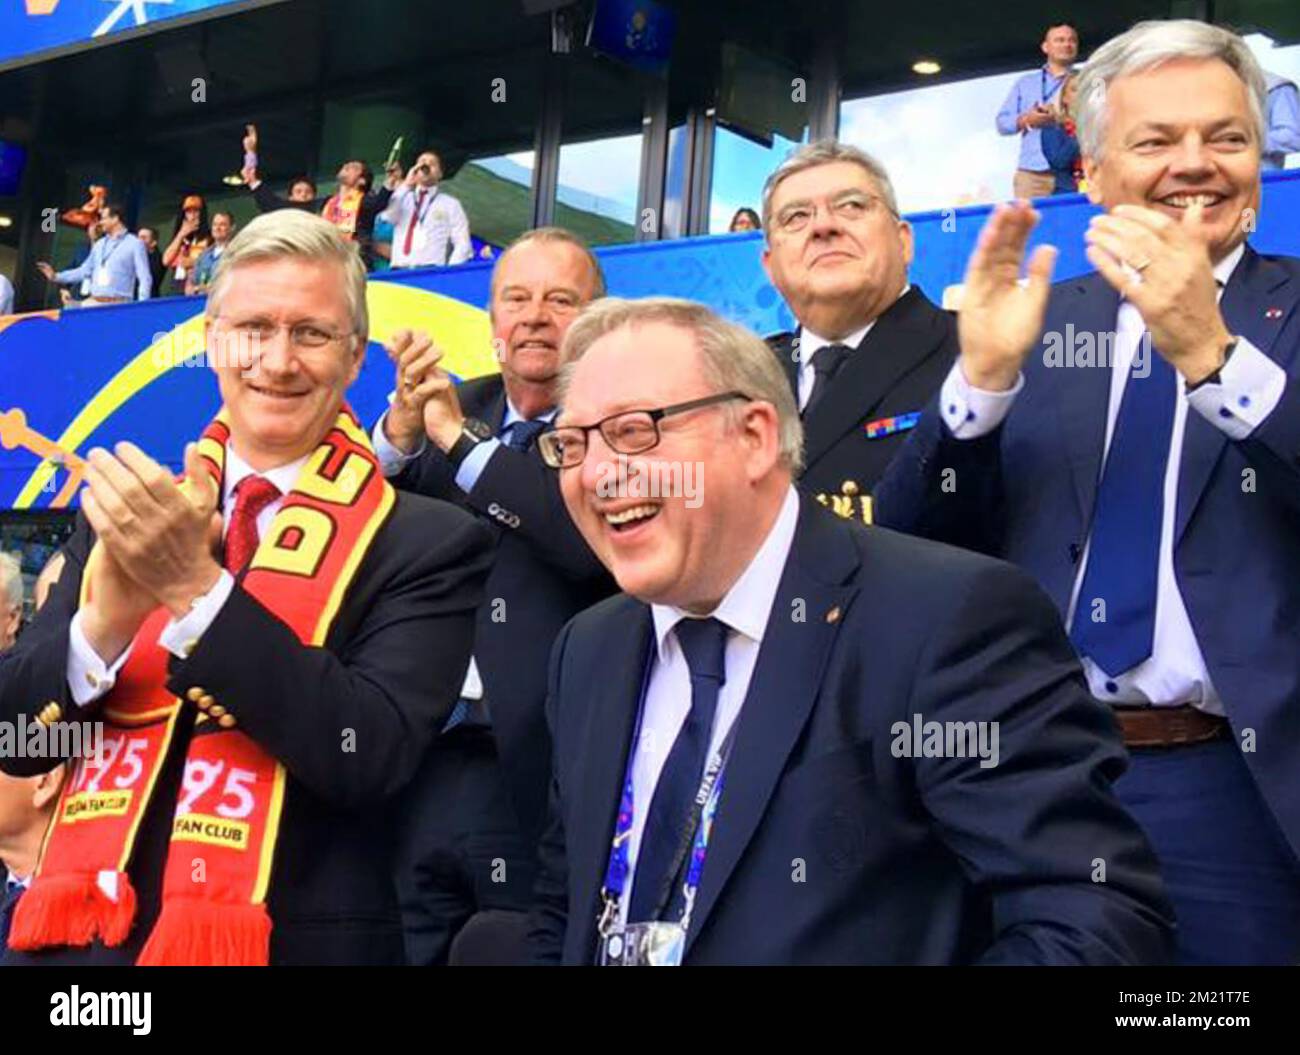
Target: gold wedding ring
(1140,265)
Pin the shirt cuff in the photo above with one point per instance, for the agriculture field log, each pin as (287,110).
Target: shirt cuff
(88,676)
(475,462)
(391,460)
(1248,390)
(971,412)
(180,636)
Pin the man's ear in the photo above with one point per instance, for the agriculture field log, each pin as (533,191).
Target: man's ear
(48,786)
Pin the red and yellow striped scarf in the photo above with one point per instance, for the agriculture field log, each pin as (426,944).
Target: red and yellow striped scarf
(228,805)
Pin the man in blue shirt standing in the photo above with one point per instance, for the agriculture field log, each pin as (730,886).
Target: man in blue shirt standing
(118,265)
(1028,108)
(1283,121)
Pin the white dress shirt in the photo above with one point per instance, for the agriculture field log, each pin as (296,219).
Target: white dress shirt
(745,610)
(811,343)
(436,223)
(89,677)
(392,461)
(1250,387)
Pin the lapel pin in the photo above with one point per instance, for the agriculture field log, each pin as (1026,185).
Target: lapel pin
(1273,313)
(833,616)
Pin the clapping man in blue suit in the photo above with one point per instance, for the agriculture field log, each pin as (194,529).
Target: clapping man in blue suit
(796,739)
(1132,439)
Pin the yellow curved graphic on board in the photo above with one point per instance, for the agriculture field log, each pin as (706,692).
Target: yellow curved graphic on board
(461,330)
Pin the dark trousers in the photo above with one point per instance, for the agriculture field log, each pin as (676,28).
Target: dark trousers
(460,851)
(1230,873)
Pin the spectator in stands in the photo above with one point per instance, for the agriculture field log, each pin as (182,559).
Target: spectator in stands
(26,806)
(191,236)
(430,227)
(6,295)
(1028,110)
(149,237)
(746,219)
(352,208)
(11,599)
(117,267)
(1061,144)
(223,226)
(1282,120)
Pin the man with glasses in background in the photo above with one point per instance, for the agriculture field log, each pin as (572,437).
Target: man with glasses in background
(871,349)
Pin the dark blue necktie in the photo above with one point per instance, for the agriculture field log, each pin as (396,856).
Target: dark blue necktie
(1124,552)
(523,434)
(826,363)
(13,892)
(704,644)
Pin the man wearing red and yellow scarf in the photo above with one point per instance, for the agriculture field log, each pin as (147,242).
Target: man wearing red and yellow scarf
(269,642)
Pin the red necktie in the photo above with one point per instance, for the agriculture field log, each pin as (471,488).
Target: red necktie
(415,219)
(252,495)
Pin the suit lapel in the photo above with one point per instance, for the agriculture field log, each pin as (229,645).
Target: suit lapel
(611,710)
(1255,286)
(783,347)
(1092,308)
(902,338)
(782,691)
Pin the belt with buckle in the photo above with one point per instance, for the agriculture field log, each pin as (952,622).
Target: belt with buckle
(1169,726)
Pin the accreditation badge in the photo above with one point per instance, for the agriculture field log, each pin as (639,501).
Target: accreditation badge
(655,944)
(101,276)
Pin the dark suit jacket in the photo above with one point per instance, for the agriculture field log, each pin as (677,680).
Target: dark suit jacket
(896,370)
(390,671)
(542,574)
(906,860)
(1026,492)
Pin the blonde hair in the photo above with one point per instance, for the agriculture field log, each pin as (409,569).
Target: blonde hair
(11,580)
(295,233)
(733,358)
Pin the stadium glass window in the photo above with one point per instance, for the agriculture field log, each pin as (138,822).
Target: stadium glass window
(918,134)
(740,166)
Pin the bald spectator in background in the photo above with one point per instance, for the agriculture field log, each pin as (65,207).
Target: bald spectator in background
(1029,109)
(1282,136)
(26,806)
(11,600)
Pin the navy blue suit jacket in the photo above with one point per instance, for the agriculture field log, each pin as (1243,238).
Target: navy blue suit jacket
(542,574)
(904,859)
(1025,492)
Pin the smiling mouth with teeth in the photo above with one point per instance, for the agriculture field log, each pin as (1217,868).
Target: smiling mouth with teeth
(626,518)
(1184,201)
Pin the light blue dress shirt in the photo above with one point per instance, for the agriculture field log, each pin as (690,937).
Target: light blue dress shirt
(1026,93)
(115,266)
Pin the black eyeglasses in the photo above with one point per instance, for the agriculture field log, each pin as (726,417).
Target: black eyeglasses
(628,432)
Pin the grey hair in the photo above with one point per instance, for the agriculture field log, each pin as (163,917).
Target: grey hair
(11,581)
(824,152)
(295,233)
(552,235)
(734,359)
(1151,44)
